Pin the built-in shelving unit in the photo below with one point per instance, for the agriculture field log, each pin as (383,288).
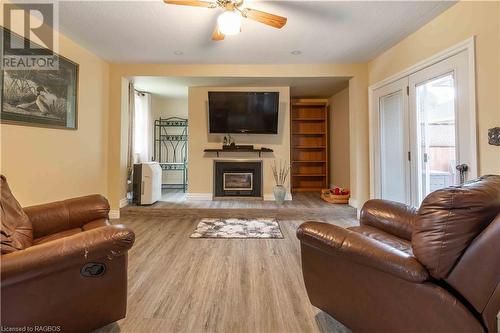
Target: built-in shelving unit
(309,144)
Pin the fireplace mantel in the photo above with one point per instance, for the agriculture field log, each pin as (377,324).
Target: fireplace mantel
(238,150)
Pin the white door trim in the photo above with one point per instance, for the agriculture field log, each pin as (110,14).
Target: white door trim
(468,46)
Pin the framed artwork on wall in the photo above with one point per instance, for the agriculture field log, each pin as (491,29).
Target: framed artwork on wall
(38,97)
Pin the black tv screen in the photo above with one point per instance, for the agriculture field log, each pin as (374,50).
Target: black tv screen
(243,112)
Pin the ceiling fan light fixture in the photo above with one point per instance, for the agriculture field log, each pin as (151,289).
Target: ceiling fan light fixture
(229,23)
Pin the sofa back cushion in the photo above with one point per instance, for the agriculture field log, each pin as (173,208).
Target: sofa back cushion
(16,231)
(449,219)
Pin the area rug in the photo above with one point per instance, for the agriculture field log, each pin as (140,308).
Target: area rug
(237,228)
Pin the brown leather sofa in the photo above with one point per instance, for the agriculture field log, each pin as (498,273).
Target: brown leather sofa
(63,265)
(435,269)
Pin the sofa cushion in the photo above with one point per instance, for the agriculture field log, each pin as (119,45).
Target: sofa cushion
(57,235)
(95,224)
(400,244)
(86,227)
(16,229)
(73,213)
(449,219)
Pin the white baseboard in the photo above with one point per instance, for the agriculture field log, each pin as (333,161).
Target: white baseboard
(353,203)
(270,196)
(123,202)
(199,196)
(114,214)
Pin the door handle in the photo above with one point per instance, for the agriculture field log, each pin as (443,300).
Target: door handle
(462,169)
(426,157)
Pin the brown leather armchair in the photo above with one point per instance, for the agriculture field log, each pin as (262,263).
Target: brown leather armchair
(63,265)
(402,270)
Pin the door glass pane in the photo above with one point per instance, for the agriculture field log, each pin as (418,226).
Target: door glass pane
(392,148)
(436,134)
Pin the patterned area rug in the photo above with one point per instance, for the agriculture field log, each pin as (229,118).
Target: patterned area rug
(237,228)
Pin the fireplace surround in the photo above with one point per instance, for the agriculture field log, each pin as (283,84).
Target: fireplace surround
(236,178)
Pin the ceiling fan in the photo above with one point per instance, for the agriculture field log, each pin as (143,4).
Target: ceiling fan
(229,22)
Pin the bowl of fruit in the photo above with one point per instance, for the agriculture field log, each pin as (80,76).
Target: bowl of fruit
(336,195)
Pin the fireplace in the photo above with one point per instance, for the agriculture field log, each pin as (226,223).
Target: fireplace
(238,179)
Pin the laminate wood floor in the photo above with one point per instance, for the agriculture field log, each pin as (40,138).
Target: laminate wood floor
(178,284)
(173,198)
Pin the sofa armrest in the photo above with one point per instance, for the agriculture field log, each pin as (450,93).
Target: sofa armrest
(362,250)
(98,244)
(393,217)
(63,215)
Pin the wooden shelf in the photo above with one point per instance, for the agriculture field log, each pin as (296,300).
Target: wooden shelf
(307,189)
(310,102)
(309,133)
(308,119)
(309,145)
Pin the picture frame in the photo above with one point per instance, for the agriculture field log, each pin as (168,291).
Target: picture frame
(41,98)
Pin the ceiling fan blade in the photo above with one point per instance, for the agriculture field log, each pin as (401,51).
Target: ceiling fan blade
(266,18)
(194,3)
(217,35)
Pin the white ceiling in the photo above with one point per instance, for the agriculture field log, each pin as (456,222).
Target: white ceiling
(177,87)
(324,31)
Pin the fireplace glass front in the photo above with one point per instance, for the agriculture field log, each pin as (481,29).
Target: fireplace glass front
(242,181)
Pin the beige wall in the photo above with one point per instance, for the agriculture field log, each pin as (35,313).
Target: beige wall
(44,164)
(339,139)
(463,20)
(358,86)
(201,165)
(165,107)
(359,170)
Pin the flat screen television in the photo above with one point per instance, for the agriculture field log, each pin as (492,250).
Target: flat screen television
(243,112)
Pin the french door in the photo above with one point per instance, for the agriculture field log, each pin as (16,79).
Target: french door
(393,143)
(425,132)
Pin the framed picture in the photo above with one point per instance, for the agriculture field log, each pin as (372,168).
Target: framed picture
(35,97)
